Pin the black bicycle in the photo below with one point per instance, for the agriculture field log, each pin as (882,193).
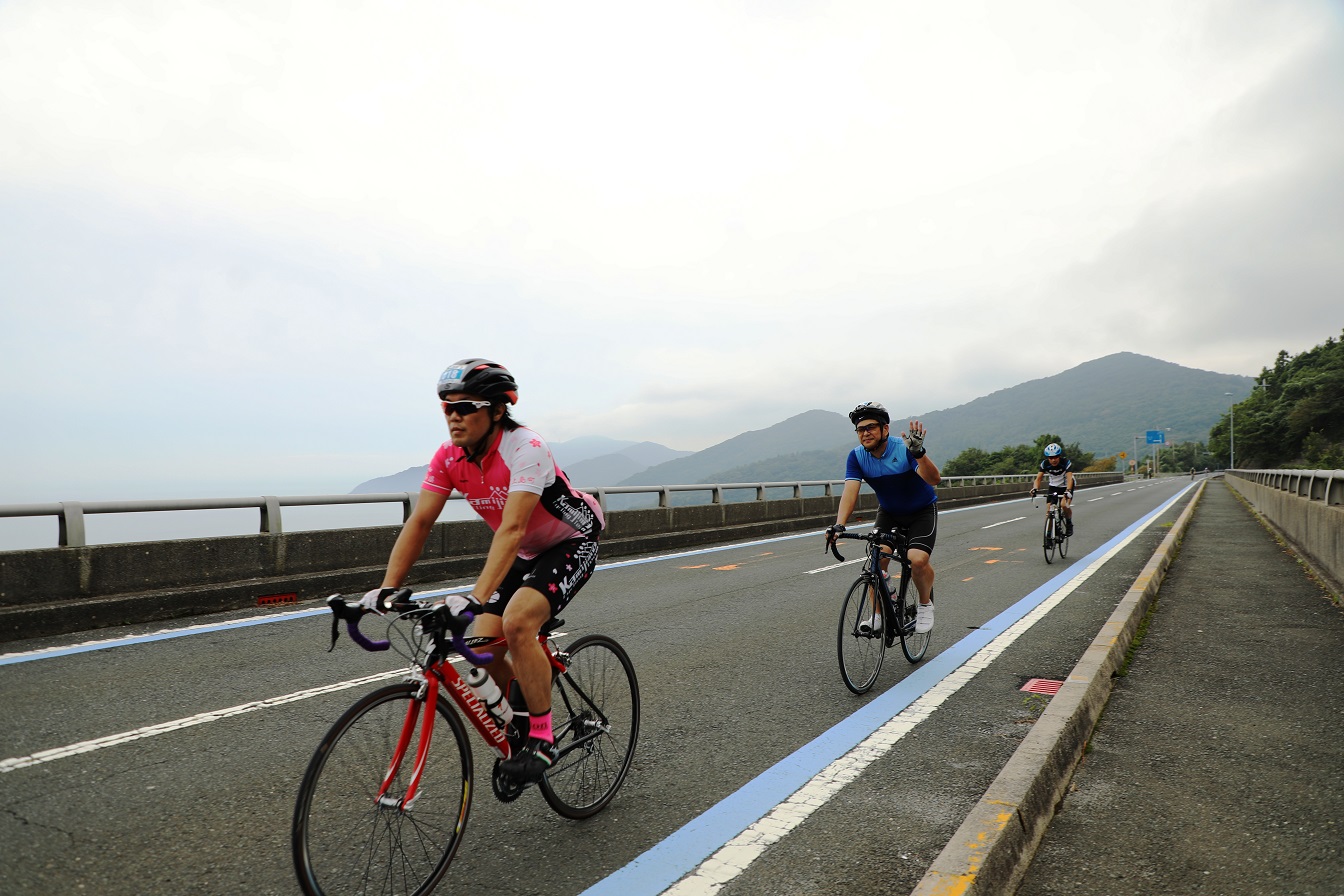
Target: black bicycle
(872,617)
(1055,536)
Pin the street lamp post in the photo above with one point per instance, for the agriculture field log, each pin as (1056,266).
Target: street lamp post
(1232,435)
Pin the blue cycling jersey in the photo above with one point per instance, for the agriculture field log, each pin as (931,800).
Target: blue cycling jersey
(899,488)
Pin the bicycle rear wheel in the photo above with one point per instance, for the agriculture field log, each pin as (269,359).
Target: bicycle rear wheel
(346,840)
(1049,538)
(860,650)
(595,707)
(913,644)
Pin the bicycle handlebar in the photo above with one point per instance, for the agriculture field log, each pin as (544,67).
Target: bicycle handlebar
(433,621)
(885,538)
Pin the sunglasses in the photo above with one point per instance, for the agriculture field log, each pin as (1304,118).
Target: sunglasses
(868,427)
(464,408)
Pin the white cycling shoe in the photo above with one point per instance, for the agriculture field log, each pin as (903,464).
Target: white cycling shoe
(924,619)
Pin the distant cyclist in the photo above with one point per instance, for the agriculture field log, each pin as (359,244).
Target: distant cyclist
(543,551)
(1058,470)
(902,475)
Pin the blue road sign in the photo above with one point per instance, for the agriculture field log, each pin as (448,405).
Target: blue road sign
(1157,437)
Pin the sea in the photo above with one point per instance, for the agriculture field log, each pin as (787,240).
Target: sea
(25,533)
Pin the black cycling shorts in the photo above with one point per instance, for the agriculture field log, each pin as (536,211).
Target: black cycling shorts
(920,529)
(1055,492)
(558,574)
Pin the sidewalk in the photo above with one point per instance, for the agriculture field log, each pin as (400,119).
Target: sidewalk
(1217,766)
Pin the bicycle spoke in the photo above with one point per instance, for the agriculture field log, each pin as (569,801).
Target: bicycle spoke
(860,652)
(600,697)
(346,840)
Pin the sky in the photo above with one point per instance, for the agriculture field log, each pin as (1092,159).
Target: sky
(240,240)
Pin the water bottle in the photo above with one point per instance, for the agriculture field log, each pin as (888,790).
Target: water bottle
(480,681)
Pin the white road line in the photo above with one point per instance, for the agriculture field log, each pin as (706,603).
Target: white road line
(810,572)
(1102,498)
(1004,523)
(112,740)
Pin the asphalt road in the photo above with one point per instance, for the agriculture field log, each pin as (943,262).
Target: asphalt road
(735,650)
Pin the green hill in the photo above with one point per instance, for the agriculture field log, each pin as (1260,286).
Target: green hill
(1102,405)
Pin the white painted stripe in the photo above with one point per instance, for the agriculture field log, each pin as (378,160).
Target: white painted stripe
(112,740)
(1102,498)
(811,572)
(1004,523)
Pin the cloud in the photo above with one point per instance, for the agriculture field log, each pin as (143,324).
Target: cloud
(239,241)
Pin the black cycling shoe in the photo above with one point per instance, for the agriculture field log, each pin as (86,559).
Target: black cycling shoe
(531,762)
(1068,528)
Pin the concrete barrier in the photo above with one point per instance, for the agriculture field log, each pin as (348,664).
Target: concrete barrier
(1306,508)
(52,591)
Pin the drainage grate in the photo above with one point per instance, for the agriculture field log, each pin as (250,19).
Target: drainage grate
(268,599)
(1043,686)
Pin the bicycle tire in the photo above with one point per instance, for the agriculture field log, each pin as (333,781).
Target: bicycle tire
(913,644)
(343,840)
(860,653)
(595,708)
(1063,539)
(1049,538)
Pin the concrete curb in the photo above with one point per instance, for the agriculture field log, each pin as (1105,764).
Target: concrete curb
(992,849)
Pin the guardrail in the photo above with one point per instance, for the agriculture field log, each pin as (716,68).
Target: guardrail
(70,514)
(1326,486)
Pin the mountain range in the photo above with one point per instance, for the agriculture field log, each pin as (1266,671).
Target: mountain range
(588,460)
(1103,405)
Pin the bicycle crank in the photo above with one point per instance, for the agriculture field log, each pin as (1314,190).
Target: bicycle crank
(506,788)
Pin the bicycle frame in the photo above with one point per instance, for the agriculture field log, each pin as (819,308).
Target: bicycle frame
(872,567)
(442,672)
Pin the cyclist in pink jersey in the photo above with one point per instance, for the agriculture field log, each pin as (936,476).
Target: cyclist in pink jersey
(543,551)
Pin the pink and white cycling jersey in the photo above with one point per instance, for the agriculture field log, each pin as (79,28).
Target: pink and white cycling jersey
(519,460)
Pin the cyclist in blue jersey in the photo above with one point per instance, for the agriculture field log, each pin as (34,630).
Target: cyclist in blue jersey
(900,472)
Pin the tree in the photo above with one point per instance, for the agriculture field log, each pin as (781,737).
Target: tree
(1014,459)
(1294,416)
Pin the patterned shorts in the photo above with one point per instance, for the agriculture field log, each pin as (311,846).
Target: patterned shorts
(558,574)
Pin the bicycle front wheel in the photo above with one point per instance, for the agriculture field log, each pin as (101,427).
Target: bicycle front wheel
(595,711)
(860,648)
(346,839)
(1063,539)
(1049,538)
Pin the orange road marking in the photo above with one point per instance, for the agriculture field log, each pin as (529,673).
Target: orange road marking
(729,566)
(701,566)
(968,578)
(986,549)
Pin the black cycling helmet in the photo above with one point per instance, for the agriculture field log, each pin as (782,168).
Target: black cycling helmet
(870,410)
(477,376)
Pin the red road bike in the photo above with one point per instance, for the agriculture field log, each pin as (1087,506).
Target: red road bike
(384,802)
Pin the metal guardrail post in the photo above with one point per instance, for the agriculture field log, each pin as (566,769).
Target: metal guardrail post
(270,515)
(71,525)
